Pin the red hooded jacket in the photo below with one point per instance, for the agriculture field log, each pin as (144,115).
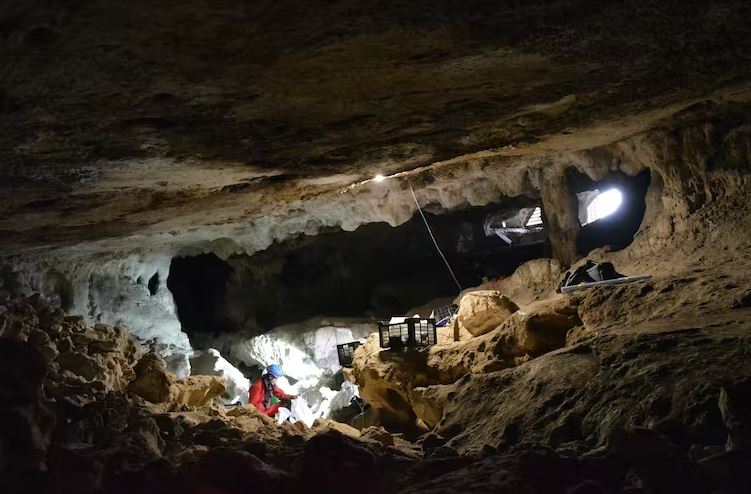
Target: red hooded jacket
(257,396)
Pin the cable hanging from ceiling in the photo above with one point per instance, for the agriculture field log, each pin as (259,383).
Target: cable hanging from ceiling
(435,243)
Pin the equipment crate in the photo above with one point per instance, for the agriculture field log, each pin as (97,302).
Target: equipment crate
(444,314)
(346,353)
(412,332)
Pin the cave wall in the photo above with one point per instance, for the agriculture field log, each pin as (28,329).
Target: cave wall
(699,160)
(698,156)
(109,289)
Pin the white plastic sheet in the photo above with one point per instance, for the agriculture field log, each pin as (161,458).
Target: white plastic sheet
(300,411)
(345,396)
(282,415)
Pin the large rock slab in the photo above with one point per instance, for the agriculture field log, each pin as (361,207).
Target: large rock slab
(532,281)
(537,329)
(482,311)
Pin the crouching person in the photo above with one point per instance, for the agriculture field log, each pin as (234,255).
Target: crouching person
(264,390)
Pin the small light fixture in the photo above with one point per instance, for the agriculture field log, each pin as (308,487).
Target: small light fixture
(379,178)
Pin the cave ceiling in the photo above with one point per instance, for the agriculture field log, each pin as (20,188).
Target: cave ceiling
(128,119)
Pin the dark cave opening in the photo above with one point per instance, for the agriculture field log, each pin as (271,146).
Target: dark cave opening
(198,285)
(618,228)
(373,272)
(153,284)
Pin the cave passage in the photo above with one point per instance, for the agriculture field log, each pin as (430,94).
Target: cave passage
(374,271)
(616,229)
(198,285)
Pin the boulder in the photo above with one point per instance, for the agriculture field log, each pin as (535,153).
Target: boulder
(152,382)
(482,311)
(321,426)
(263,427)
(196,391)
(378,434)
(533,280)
(535,330)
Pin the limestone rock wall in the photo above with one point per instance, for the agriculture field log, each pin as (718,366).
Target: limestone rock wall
(105,288)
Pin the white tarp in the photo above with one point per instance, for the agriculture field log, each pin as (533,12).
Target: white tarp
(300,411)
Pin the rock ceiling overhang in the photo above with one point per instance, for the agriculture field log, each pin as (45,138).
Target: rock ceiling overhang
(133,120)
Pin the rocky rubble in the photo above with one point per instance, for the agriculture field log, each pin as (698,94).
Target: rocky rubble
(82,410)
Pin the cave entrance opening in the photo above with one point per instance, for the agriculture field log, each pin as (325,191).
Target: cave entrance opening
(611,210)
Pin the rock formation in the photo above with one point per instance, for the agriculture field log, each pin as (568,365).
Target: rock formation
(388,379)
(154,384)
(480,312)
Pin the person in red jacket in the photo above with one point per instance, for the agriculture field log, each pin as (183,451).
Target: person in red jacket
(264,388)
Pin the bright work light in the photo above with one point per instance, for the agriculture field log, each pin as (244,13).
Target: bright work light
(604,205)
